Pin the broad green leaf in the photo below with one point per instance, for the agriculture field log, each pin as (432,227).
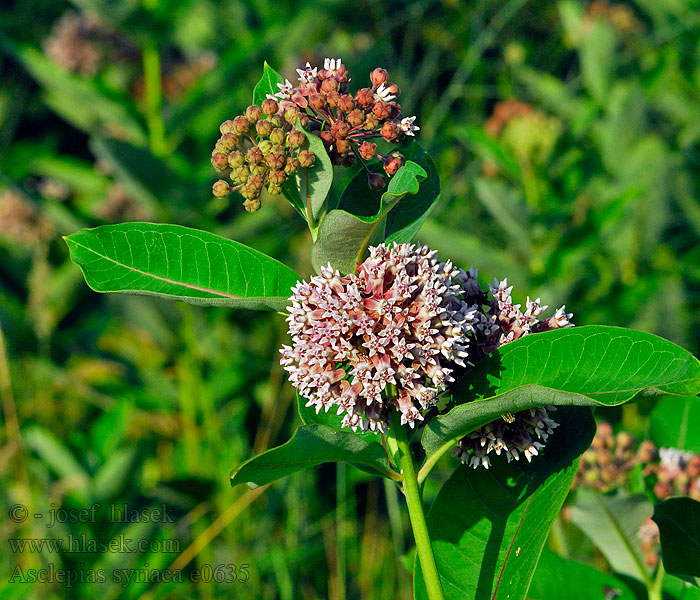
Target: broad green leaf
(180,264)
(488,527)
(598,59)
(312,445)
(679,528)
(555,577)
(267,84)
(674,423)
(308,192)
(592,365)
(80,101)
(612,523)
(363,217)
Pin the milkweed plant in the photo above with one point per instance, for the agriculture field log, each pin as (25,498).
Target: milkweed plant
(402,359)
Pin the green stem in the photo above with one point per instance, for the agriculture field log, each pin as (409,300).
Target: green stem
(153,91)
(415,512)
(657,591)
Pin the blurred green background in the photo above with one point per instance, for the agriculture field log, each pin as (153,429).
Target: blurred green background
(567,139)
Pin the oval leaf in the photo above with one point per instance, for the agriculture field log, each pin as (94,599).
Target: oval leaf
(180,264)
(363,217)
(488,527)
(583,365)
(267,84)
(679,528)
(673,423)
(312,445)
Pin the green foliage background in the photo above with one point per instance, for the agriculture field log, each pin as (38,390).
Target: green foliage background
(589,198)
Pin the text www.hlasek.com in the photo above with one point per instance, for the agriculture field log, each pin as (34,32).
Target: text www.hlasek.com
(84,545)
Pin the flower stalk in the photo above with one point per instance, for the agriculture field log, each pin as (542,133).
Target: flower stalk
(415,511)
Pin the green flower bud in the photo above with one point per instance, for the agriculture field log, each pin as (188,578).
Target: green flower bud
(230,141)
(240,175)
(277,177)
(277,136)
(236,159)
(290,114)
(248,192)
(265,147)
(226,126)
(260,169)
(291,165)
(252,204)
(263,128)
(273,189)
(276,121)
(254,155)
(279,149)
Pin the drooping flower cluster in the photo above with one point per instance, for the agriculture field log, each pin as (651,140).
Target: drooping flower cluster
(347,123)
(498,322)
(386,338)
(260,149)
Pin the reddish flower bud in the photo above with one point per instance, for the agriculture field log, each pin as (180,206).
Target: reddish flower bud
(229,141)
(364,97)
(304,120)
(393,89)
(256,180)
(253,113)
(306,158)
(692,469)
(340,129)
(317,101)
(226,126)
(254,155)
(236,159)
(219,161)
(263,127)
(663,489)
(368,150)
(277,177)
(241,124)
(346,103)
(291,165)
(381,110)
(327,137)
(274,160)
(342,146)
(376,181)
(277,136)
(295,138)
(647,452)
(394,110)
(390,131)
(329,85)
(355,118)
(393,164)
(270,106)
(220,188)
(332,99)
(378,76)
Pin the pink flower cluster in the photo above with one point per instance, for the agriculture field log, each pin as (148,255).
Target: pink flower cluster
(390,335)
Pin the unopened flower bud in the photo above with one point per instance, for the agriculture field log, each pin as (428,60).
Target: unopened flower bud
(254,155)
(295,138)
(273,189)
(317,101)
(647,452)
(663,489)
(368,150)
(327,137)
(393,89)
(329,85)
(253,113)
(346,103)
(260,169)
(304,120)
(306,158)
(236,159)
(249,191)
(226,126)
(279,149)
(256,181)
(275,160)
(277,136)
(241,174)
(276,120)
(263,128)
(340,130)
(252,204)
(355,118)
(342,146)
(364,97)
(219,161)
(265,147)
(377,181)
(229,141)
(277,177)
(692,469)
(381,110)
(332,99)
(371,121)
(393,164)
(241,124)
(220,188)
(378,76)
(390,131)
(290,114)
(270,106)
(291,165)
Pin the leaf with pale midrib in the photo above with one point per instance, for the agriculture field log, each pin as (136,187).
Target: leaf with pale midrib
(576,366)
(267,84)
(180,264)
(488,527)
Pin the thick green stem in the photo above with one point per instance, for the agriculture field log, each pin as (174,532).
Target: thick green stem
(415,512)
(657,591)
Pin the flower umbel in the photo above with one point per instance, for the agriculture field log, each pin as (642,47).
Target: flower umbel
(399,320)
